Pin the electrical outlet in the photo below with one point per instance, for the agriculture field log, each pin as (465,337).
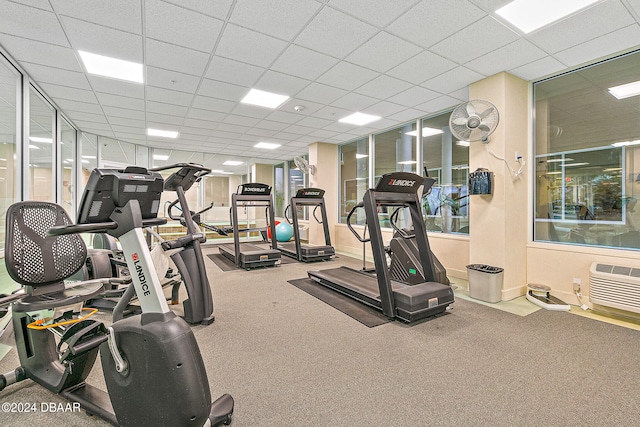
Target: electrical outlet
(576,284)
(518,156)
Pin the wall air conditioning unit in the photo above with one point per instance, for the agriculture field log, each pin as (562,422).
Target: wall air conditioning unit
(615,286)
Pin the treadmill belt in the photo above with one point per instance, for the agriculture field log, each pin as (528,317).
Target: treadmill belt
(224,263)
(364,314)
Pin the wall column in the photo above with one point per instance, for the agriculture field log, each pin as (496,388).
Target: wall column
(324,157)
(499,223)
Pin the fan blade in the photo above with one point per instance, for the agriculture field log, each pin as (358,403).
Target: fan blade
(486,112)
(461,121)
(484,127)
(470,110)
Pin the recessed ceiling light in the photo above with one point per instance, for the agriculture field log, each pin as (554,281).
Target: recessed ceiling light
(361,156)
(625,91)
(426,132)
(112,67)
(162,133)
(267,145)
(39,139)
(529,15)
(232,163)
(264,99)
(359,119)
(161,157)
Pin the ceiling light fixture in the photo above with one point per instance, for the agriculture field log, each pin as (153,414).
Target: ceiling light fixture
(162,133)
(529,15)
(232,163)
(267,145)
(359,119)
(264,99)
(625,91)
(111,67)
(161,157)
(426,132)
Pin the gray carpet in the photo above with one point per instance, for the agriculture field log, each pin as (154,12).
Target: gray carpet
(289,359)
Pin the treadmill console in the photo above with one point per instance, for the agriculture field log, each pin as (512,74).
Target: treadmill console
(108,189)
(399,182)
(310,193)
(254,189)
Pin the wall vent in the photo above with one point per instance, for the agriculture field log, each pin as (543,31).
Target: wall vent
(615,286)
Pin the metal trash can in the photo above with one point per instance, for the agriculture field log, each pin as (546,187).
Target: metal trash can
(485,282)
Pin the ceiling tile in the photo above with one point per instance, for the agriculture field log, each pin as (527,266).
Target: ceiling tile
(334,33)
(320,93)
(68,105)
(40,53)
(279,18)
(421,67)
(347,76)
(98,128)
(121,101)
(125,15)
(539,68)
(40,4)
(249,46)
(408,114)
(167,109)
(251,111)
(271,125)
(299,130)
(176,58)
(226,127)
(168,96)
(211,116)
(64,92)
(314,122)
(354,102)
(376,12)
(203,124)
(187,132)
(229,71)
(383,87)
(265,133)
(227,91)
(281,83)
(240,120)
(602,18)
(177,25)
(627,37)
(30,23)
(123,112)
(452,80)
(58,76)
(333,113)
(425,28)
(438,104)
(163,121)
(123,121)
(308,107)
(88,117)
(167,79)
(414,96)
(116,87)
(217,8)
(303,62)
(476,40)
(385,108)
(507,57)
(382,52)
(103,40)
(284,117)
(213,104)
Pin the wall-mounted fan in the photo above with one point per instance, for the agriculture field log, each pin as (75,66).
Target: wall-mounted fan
(474,120)
(304,166)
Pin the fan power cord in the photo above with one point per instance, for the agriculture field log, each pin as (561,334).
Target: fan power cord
(579,296)
(514,173)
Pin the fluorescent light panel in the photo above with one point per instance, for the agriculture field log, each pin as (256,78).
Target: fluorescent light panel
(625,91)
(267,145)
(162,133)
(359,119)
(111,67)
(161,157)
(529,15)
(264,99)
(232,163)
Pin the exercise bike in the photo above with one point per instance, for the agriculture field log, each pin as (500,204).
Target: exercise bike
(151,362)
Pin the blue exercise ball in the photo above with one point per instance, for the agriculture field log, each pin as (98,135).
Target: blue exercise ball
(284,232)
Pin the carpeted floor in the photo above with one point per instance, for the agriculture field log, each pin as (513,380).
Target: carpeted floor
(289,359)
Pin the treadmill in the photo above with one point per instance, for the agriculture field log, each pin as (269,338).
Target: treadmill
(296,249)
(246,255)
(397,300)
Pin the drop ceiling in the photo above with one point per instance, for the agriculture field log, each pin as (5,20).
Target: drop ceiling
(399,59)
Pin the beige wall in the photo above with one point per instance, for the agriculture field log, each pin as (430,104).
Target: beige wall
(325,159)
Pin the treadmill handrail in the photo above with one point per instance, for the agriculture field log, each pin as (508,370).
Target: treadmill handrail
(355,233)
(285,213)
(402,232)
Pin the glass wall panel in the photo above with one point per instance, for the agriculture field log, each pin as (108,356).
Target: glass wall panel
(446,159)
(279,193)
(297,181)
(89,150)
(116,154)
(588,157)
(395,150)
(354,177)
(41,148)
(10,91)
(68,152)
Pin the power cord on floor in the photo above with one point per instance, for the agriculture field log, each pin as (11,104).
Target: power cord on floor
(579,296)
(519,159)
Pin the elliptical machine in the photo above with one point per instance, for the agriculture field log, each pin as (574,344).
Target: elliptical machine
(151,362)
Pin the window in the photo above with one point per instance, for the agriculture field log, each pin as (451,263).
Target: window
(279,193)
(68,152)
(446,159)
(354,177)
(297,180)
(41,148)
(586,142)
(116,154)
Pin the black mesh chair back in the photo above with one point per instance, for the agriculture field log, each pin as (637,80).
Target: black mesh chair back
(32,257)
